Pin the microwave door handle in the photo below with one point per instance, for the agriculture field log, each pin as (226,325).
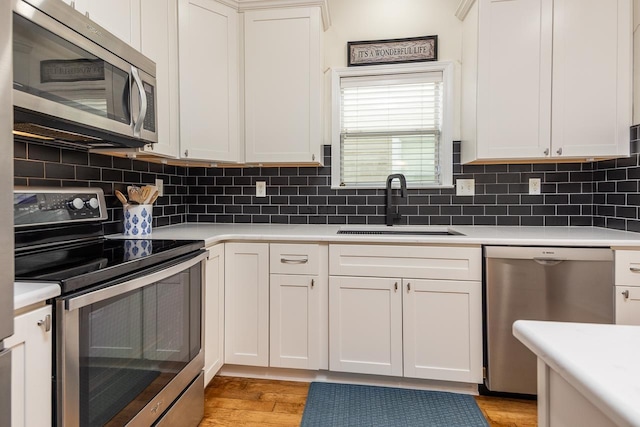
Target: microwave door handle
(137,126)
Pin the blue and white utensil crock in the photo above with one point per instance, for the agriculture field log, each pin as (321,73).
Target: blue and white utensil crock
(137,220)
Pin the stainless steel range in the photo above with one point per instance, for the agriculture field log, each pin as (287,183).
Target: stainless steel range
(128,325)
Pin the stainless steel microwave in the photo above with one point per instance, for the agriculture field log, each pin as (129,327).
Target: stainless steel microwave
(75,82)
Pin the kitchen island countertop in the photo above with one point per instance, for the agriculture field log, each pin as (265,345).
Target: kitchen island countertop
(599,361)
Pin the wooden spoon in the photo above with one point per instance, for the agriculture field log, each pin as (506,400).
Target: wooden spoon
(121,197)
(134,194)
(145,193)
(153,198)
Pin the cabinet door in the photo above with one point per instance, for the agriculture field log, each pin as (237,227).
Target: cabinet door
(158,35)
(214,313)
(365,325)
(246,306)
(627,305)
(295,321)
(120,17)
(442,330)
(209,90)
(283,85)
(591,77)
(31,346)
(514,78)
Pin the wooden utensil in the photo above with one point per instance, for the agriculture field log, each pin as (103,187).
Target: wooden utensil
(153,197)
(145,194)
(134,194)
(121,197)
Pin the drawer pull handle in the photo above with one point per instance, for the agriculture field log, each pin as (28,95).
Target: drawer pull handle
(634,269)
(409,287)
(313,282)
(294,261)
(625,294)
(46,323)
(395,287)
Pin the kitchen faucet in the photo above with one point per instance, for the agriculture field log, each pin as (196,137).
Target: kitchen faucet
(392,212)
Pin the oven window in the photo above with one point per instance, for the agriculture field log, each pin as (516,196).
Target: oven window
(132,345)
(47,66)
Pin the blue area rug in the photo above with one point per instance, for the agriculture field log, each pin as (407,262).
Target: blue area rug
(331,404)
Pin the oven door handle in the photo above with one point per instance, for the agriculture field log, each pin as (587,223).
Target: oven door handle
(130,285)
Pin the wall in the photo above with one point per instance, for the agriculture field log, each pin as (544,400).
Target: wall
(42,165)
(603,194)
(357,20)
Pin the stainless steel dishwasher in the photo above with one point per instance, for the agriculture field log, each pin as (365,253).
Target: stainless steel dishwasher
(534,283)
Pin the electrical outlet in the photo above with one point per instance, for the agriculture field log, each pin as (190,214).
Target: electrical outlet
(261,189)
(534,185)
(160,187)
(465,187)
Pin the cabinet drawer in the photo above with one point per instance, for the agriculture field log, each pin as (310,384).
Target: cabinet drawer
(294,258)
(627,268)
(419,262)
(627,305)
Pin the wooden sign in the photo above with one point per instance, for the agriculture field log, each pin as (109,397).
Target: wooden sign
(378,52)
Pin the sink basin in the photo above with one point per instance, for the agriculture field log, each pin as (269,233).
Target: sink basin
(400,230)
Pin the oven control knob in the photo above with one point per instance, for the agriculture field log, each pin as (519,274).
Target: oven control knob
(92,203)
(76,204)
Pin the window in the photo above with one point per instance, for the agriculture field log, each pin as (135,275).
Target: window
(392,119)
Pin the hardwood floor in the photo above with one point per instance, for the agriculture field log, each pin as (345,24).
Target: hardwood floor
(231,401)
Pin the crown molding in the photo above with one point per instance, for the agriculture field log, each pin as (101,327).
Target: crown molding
(242,5)
(463,8)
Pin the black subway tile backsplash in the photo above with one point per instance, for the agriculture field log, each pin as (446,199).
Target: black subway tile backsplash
(601,193)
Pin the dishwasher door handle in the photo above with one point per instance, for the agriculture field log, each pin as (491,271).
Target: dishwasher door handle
(548,261)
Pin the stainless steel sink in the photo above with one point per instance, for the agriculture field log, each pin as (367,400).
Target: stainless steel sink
(400,230)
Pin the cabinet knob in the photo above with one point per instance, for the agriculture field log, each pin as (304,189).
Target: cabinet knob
(559,151)
(186,153)
(546,152)
(46,323)
(625,294)
(313,282)
(409,287)
(395,287)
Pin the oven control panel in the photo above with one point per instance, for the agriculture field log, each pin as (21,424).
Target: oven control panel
(42,206)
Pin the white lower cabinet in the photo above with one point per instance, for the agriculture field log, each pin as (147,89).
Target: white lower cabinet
(429,328)
(365,325)
(31,346)
(627,289)
(214,312)
(442,330)
(246,304)
(627,305)
(298,306)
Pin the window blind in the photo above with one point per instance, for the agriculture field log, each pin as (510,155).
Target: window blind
(390,124)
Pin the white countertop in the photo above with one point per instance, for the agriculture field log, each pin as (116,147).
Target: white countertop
(26,294)
(600,361)
(471,235)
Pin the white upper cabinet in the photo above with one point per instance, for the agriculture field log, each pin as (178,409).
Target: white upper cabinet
(209,82)
(546,80)
(283,85)
(158,35)
(119,17)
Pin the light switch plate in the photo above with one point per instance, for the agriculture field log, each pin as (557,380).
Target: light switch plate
(160,187)
(261,189)
(465,187)
(534,185)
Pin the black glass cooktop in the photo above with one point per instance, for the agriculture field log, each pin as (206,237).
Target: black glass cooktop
(78,266)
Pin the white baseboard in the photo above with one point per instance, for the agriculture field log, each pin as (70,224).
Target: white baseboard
(301,375)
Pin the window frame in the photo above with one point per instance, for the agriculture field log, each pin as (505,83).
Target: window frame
(446,134)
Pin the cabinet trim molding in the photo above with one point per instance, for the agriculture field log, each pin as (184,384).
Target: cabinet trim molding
(242,5)
(463,9)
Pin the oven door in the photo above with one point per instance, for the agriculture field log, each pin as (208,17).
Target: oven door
(125,352)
